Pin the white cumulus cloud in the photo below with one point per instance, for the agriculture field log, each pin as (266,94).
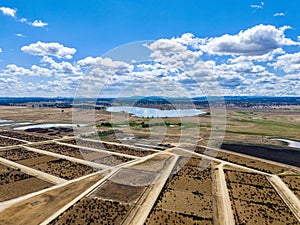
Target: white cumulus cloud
(106,64)
(20,35)
(257,40)
(279,14)
(261,6)
(288,62)
(49,49)
(14,70)
(8,11)
(61,68)
(38,23)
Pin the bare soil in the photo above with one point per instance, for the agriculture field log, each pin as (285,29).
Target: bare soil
(23,136)
(14,183)
(22,187)
(93,211)
(118,192)
(65,169)
(293,182)
(7,142)
(256,202)
(160,216)
(49,203)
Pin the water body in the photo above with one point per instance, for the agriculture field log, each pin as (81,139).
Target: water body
(292,144)
(277,154)
(6,121)
(155,113)
(48,125)
(14,124)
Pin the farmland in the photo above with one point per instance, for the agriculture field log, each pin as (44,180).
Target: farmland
(56,177)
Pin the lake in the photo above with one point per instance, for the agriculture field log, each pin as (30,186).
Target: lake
(48,125)
(14,124)
(292,144)
(155,113)
(6,121)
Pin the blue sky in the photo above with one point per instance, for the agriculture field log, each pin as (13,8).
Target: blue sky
(43,42)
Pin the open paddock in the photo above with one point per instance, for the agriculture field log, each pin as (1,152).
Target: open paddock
(14,183)
(104,158)
(93,211)
(4,142)
(65,169)
(36,161)
(254,201)
(39,207)
(187,183)
(18,154)
(160,216)
(134,177)
(62,149)
(88,155)
(22,187)
(52,131)
(250,213)
(198,172)
(48,164)
(23,136)
(187,196)
(10,175)
(154,164)
(247,178)
(110,147)
(118,192)
(255,194)
(192,160)
(191,203)
(293,182)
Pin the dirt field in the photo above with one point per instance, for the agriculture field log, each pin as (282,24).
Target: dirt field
(65,169)
(293,182)
(118,192)
(154,164)
(188,183)
(36,114)
(93,211)
(58,167)
(22,187)
(187,194)
(111,147)
(134,177)
(40,207)
(247,178)
(7,142)
(18,154)
(160,216)
(256,202)
(93,156)
(112,160)
(191,203)
(23,136)
(52,131)
(187,197)
(258,213)
(14,183)
(61,149)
